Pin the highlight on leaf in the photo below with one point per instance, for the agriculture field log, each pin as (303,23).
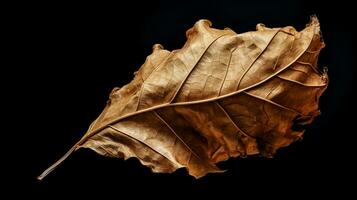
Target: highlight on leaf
(221,95)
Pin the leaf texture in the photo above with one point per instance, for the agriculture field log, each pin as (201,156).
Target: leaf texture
(222,95)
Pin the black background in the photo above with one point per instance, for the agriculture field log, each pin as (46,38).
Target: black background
(68,57)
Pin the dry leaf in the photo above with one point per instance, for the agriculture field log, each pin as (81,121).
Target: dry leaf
(222,95)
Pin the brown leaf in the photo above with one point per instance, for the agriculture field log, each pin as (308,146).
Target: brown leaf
(222,95)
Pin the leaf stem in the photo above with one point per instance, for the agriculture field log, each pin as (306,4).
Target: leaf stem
(55,165)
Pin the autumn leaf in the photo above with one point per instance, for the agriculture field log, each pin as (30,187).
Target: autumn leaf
(222,95)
